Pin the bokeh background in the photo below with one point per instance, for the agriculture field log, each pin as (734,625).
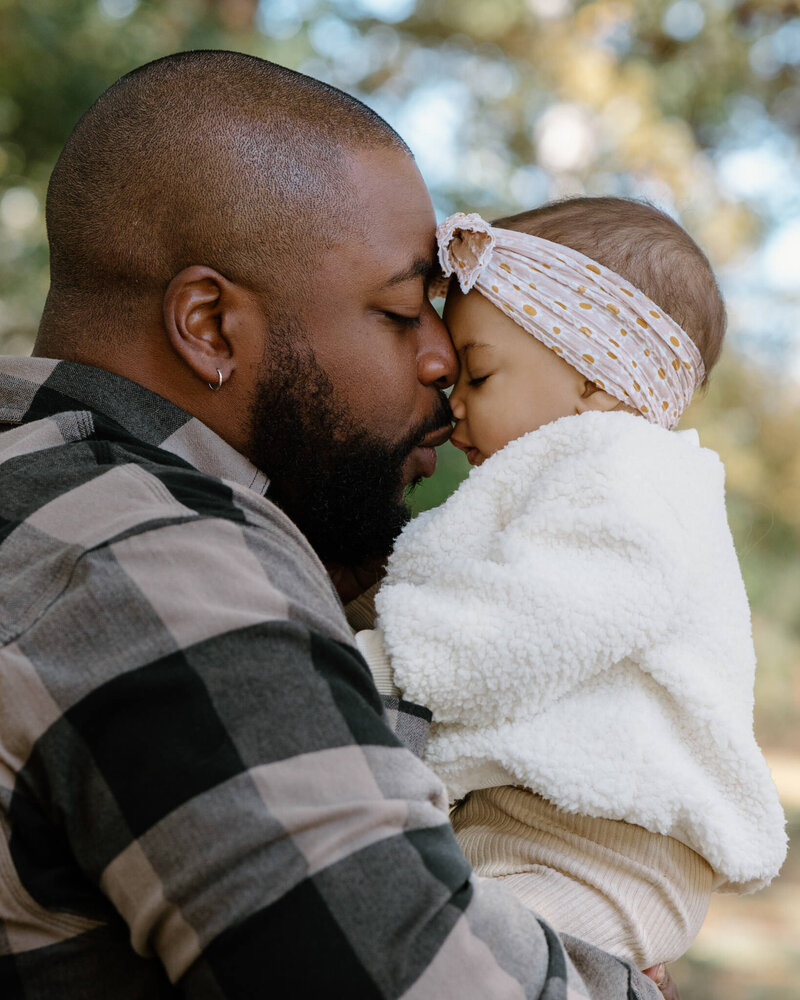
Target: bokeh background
(692,104)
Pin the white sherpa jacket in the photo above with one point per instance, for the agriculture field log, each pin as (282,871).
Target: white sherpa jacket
(574,616)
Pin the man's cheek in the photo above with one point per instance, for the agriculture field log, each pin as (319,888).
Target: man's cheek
(390,409)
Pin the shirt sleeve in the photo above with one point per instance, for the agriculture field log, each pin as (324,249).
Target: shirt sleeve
(223,771)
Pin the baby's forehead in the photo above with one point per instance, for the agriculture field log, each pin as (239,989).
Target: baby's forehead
(468,310)
(476,324)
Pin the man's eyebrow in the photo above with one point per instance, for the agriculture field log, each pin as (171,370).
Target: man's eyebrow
(421,268)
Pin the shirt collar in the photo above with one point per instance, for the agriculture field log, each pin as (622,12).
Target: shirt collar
(32,388)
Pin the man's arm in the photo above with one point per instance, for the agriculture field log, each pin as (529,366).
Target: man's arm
(233,788)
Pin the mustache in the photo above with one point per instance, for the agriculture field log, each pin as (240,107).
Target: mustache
(442,416)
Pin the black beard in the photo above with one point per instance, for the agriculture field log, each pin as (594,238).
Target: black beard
(341,485)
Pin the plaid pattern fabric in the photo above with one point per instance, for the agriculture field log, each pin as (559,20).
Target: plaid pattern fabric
(200,791)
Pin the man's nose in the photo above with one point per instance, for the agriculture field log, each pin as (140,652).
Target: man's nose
(437,363)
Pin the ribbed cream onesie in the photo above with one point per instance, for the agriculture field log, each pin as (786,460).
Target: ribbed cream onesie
(636,894)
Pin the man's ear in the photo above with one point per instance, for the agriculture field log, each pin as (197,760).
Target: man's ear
(195,309)
(594,398)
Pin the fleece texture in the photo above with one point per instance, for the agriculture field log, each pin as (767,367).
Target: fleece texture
(574,617)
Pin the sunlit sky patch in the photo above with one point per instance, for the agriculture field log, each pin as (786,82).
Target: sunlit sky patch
(117,10)
(780,259)
(683,20)
(391,11)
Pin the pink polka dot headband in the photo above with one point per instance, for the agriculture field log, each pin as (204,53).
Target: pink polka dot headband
(599,323)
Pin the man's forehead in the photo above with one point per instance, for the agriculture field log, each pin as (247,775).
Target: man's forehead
(391,220)
(383,263)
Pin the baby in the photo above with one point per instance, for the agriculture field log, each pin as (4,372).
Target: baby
(574,615)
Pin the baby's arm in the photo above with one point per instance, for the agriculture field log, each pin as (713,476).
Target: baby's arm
(372,647)
(552,566)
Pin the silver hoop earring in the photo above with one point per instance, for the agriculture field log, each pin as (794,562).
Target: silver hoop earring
(218,386)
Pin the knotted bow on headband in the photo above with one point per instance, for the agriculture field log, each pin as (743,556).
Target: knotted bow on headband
(600,324)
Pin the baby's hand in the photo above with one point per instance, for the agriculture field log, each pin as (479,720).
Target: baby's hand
(663,980)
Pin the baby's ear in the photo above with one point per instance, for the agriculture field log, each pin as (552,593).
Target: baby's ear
(597,399)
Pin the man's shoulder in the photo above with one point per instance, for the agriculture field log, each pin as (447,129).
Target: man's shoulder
(84,482)
(75,494)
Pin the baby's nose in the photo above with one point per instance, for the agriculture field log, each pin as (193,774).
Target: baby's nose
(457,406)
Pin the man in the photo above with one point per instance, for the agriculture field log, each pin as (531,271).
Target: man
(200,791)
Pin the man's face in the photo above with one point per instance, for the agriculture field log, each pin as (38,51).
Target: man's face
(350,402)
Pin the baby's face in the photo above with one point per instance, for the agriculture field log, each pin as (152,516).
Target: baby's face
(509,383)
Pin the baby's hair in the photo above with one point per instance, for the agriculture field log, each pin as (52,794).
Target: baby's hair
(647,248)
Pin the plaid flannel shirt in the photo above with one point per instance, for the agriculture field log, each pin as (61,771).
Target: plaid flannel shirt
(200,792)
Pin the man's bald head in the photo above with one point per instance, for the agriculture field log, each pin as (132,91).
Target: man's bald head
(213,158)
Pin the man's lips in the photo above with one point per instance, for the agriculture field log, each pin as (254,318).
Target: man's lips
(425,451)
(435,438)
